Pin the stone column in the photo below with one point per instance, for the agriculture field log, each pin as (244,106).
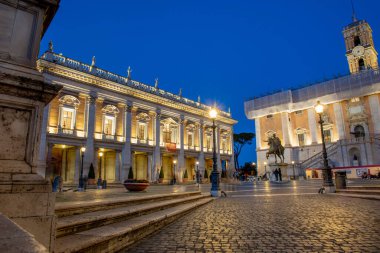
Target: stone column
(117,166)
(41,166)
(78,164)
(89,153)
(150,173)
(375,112)
(312,125)
(126,152)
(258,133)
(157,148)
(286,130)
(201,157)
(339,120)
(218,160)
(181,156)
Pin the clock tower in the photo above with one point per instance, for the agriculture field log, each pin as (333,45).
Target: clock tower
(360,50)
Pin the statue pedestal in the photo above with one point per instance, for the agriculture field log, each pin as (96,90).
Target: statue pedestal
(25,197)
(284,171)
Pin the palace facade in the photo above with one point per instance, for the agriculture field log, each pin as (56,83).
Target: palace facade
(351,115)
(124,124)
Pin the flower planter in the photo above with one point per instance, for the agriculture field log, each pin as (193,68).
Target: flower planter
(136,186)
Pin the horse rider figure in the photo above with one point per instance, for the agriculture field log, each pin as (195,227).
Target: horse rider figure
(275,148)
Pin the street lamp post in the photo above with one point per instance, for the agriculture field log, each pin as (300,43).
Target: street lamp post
(253,167)
(99,184)
(215,189)
(81,181)
(326,170)
(174,164)
(294,173)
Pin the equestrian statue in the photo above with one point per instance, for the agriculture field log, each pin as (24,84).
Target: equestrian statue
(275,148)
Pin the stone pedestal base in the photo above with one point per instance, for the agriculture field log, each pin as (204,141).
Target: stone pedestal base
(215,193)
(27,200)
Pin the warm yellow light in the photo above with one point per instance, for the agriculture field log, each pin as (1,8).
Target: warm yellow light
(100,154)
(253,164)
(63,146)
(319,108)
(197,163)
(292,162)
(213,113)
(175,161)
(83,149)
(265,163)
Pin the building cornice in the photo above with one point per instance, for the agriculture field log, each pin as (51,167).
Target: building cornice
(48,64)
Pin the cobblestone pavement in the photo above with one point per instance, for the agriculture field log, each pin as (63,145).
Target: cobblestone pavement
(281,220)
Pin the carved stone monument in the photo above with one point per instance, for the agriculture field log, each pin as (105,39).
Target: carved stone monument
(25,197)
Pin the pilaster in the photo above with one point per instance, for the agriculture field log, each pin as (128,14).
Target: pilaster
(312,125)
(258,133)
(201,157)
(339,120)
(375,112)
(157,148)
(126,152)
(286,129)
(89,153)
(181,155)
(218,160)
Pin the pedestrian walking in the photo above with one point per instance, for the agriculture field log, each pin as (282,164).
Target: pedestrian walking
(276,174)
(280,174)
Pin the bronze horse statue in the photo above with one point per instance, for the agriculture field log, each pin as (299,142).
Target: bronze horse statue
(275,148)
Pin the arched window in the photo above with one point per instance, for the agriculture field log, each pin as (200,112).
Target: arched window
(359,131)
(357,41)
(361,64)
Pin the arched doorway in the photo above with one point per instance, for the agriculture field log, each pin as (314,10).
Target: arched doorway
(361,64)
(354,154)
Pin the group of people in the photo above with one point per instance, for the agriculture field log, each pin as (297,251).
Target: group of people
(278,174)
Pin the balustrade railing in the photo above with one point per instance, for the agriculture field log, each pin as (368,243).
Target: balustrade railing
(93,70)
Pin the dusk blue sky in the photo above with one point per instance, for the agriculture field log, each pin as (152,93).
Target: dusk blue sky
(225,51)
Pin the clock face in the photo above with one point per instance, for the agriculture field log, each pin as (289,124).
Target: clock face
(358,51)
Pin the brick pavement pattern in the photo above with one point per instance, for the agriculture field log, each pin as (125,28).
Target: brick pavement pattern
(304,223)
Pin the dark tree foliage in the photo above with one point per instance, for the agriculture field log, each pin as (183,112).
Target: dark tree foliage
(91,172)
(185,174)
(130,173)
(161,173)
(240,140)
(250,169)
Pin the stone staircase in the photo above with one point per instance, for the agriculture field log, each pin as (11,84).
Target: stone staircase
(111,225)
(315,160)
(367,192)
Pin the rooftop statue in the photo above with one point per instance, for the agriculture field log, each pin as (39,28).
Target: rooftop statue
(275,148)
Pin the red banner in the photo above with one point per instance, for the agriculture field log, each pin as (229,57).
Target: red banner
(171,147)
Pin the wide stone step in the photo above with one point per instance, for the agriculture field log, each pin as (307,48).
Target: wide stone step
(374,187)
(77,223)
(78,207)
(361,192)
(116,236)
(361,196)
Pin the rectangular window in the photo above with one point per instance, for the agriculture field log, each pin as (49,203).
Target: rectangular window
(327,134)
(109,125)
(173,135)
(190,139)
(301,139)
(67,119)
(224,146)
(208,141)
(142,131)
